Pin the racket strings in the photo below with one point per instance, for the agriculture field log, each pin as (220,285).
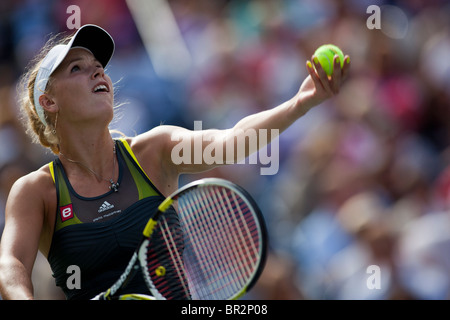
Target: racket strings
(212,248)
(233,252)
(221,242)
(175,254)
(209,250)
(164,259)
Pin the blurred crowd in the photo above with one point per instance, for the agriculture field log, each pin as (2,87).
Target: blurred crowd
(364,178)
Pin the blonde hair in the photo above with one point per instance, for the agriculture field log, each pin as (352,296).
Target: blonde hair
(38,131)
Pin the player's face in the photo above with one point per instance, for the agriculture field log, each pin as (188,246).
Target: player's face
(81,89)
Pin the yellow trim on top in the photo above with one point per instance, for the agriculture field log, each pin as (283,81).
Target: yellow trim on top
(145,188)
(127,146)
(52,171)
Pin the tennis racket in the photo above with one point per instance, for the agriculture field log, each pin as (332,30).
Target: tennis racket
(207,241)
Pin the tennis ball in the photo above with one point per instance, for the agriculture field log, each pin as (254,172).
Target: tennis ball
(325,54)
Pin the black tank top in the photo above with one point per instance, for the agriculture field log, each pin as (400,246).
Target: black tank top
(99,235)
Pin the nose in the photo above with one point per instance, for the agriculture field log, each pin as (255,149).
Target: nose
(98,71)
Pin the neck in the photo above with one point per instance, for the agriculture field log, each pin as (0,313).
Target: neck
(94,151)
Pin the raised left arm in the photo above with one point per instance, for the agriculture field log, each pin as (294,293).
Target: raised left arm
(183,150)
(315,89)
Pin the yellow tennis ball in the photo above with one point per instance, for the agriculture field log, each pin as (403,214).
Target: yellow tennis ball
(325,54)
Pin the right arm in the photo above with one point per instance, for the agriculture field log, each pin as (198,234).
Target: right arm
(24,221)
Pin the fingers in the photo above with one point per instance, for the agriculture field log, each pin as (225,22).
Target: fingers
(337,75)
(314,76)
(346,67)
(330,84)
(322,76)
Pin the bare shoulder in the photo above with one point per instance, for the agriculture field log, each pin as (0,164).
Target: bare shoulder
(34,194)
(30,209)
(153,152)
(35,184)
(158,142)
(160,135)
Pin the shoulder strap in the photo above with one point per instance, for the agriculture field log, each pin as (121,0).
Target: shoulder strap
(143,182)
(65,215)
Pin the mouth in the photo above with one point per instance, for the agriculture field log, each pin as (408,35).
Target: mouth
(100,88)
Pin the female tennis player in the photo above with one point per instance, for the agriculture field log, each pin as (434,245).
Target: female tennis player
(88,207)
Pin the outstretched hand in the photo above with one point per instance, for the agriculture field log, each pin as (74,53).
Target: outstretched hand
(318,87)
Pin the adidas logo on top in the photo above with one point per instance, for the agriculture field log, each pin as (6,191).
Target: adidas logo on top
(105,206)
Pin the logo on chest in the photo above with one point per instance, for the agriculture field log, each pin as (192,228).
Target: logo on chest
(105,206)
(66,212)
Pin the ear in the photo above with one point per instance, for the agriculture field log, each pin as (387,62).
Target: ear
(48,104)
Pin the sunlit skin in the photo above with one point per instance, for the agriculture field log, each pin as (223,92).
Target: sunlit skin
(72,87)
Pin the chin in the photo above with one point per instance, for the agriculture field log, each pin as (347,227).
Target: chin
(105,113)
